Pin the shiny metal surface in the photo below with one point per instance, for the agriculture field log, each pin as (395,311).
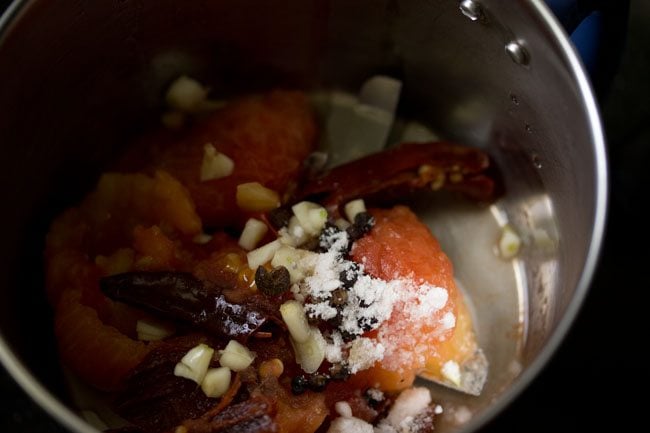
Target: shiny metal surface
(80,78)
(471,9)
(517,53)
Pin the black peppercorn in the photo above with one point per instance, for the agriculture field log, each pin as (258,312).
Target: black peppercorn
(339,372)
(335,321)
(325,239)
(299,385)
(347,336)
(318,382)
(349,276)
(363,222)
(339,298)
(367,323)
(274,282)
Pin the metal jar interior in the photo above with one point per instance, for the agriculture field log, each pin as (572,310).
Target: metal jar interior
(78,79)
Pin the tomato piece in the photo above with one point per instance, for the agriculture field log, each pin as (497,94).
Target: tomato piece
(99,354)
(267,137)
(400,246)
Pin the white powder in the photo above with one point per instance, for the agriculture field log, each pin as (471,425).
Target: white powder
(408,413)
(364,352)
(334,348)
(369,303)
(428,298)
(325,277)
(321,309)
(405,340)
(451,371)
(448,321)
(375,394)
(409,403)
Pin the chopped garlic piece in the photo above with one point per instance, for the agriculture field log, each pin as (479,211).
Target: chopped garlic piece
(311,216)
(153,330)
(293,315)
(254,197)
(295,260)
(286,238)
(509,242)
(296,233)
(451,372)
(215,165)
(195,363)
(253,232)
(186,94)
(263,254)
(236,356)
(353,208)
(311,353)
(341,223)
(216,382)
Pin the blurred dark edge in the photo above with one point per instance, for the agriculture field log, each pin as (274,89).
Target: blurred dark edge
(583,386)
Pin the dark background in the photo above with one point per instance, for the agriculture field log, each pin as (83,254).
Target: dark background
(582,387)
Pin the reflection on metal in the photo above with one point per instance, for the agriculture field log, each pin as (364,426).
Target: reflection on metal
(471,114)
(518,53)
(541,231)
(471,9)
